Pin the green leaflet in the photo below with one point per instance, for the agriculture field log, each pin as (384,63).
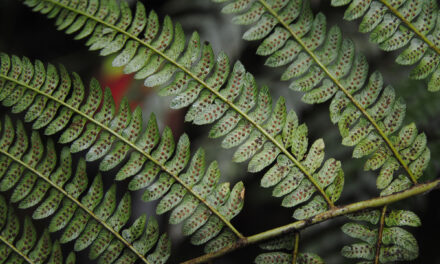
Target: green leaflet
(283,242)
(411,25)
(359,251)
(402,218)
(155,162)
(28,246)
(53,188)
(317,205)
(222,241)
(17,149)
(371,216)
(326,67)
(199,79)
(360,232)
(102,211)
(285,258)
(397,244)
(288,242)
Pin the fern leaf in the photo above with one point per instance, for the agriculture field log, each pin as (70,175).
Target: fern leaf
(290,243)
(326,67)
(412,25)
(155,163)
(285,258)
(402,218)
(95,221)
(199,80)
(369,116)
(27,247)
(395,244)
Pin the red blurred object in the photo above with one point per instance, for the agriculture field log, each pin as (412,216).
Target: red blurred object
(119,84)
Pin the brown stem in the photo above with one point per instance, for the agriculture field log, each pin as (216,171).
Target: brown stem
(379,235)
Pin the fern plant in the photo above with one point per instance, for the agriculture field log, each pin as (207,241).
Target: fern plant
(94,221)
(412,25)
(29,247)
(323,64)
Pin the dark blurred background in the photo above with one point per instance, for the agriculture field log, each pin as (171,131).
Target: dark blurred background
(25,33)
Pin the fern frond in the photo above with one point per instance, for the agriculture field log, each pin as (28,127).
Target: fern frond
(367,118)
(289,243)
(214,92)
(94,221)
(381,237)
(27,247)
(412,25)
(325,66)
(155,163)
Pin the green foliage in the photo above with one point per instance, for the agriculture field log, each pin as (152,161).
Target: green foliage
(28,245)
(284,258)
(412,25)
(325,66)
(321,63)
(279,257)
(214,92)
(197,188)
(36,180)
(397,244)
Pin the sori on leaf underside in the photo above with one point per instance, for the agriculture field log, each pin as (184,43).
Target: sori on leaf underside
(367,120)
(215,92)
(43,94)
(38,178)
(410,25)
(30,246)
(325,67)
(60,103)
